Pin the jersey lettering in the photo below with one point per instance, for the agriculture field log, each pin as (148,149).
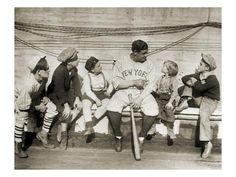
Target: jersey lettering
(134,72)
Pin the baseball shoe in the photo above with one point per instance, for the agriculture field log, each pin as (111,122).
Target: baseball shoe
(118,144)
(207,150)
(90,137)
(89,132)
(150,136)
(170,137)
(64,140)
(19,151)
(170,141)
(43,137)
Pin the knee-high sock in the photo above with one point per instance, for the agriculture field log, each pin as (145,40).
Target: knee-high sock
(47,122)
(49,116)
(146,125)
(115,119)
(19,130)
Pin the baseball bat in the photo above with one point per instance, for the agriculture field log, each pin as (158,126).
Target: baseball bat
(134,132)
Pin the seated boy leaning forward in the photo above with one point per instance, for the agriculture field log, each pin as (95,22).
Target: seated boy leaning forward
(64,91)
(30,100)
(204,88)
(96,90)
(133,75)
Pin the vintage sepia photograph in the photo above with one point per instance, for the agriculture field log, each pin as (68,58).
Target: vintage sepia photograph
(128,88)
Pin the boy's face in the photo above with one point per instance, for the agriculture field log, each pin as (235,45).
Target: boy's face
(164,69)
(140,56)
(97,68)
(202,67)
(44,73)
(73,64)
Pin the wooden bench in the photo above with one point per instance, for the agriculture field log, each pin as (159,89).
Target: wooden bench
(185,122)
(191,114)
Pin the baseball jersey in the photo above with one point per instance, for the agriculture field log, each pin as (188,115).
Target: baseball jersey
(28,91)
(127,69)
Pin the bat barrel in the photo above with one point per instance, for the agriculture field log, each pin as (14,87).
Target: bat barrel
(134,132)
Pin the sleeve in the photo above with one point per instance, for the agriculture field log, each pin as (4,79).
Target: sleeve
(210,82)
(87,88)
(117,74)
(62,85)
(109,81)
(22,97)
(174,89)
(76,83)
(151,86)
(186,78)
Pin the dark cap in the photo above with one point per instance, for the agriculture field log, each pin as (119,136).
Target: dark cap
(90,63)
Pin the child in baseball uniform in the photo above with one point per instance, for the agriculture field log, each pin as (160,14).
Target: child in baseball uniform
(96,90)
(26,105)
(65,91)
(134,75)
(203,87)
(166,96)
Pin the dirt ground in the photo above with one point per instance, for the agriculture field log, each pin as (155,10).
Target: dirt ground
(100,155)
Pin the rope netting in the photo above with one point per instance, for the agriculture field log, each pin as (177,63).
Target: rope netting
(73,33)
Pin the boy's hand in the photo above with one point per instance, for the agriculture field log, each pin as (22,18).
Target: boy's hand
(41,108)
(193,80)
(98,103)
(107,94)
(45,100)
(169,106)
(140,83)
(78,104)
(67,111)
(137,102)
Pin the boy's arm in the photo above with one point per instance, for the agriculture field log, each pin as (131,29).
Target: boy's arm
(108,79)
(187,79)
(210,82)
(174,93)
(87,88)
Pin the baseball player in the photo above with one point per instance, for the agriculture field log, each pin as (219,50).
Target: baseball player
(27,105)
(133,75)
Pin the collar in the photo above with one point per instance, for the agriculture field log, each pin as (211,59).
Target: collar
(205,75)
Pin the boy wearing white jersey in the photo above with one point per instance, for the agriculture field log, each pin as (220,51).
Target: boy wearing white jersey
(133,75)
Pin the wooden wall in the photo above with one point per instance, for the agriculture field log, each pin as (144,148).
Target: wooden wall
(187,54)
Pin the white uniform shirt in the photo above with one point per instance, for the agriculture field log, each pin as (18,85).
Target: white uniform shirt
(24,93)
(127,69)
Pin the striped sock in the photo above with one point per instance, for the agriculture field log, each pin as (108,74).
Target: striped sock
(18,133)
(47,122)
